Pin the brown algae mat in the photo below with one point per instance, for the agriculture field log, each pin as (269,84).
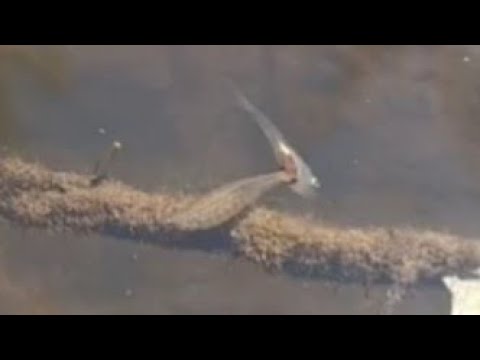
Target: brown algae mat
(34,196)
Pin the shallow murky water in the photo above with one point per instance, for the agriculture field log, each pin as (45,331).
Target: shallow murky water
(391,132)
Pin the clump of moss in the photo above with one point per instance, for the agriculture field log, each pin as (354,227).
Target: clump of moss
(33,195)
(402,255)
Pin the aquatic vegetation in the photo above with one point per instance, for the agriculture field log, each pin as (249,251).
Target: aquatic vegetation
(32,195)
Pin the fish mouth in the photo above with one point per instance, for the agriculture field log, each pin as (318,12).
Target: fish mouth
(315,183)
(298,175)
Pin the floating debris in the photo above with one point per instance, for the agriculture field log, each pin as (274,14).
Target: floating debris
(102,166)
(465,293)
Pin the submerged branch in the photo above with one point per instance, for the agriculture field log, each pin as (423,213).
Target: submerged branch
(32,195)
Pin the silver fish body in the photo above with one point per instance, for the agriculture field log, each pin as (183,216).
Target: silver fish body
(305,182)
(223,204)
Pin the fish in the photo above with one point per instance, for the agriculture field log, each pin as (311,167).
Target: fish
(303,180)
(225,203)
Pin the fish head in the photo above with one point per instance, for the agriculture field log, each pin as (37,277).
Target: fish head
(303,181)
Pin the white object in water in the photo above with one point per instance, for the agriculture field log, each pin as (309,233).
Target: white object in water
(465,294)
(305,182)
(101,168)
